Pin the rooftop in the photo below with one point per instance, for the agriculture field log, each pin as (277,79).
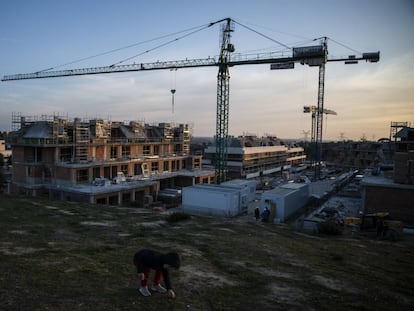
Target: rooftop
(382,181)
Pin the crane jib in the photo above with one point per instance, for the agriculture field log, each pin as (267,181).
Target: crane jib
(237,59)
(312,59)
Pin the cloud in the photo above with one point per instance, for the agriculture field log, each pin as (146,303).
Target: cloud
(367,97)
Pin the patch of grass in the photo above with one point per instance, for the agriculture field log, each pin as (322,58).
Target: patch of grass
(337,257)
(329,228)
(63,256)
(177,217)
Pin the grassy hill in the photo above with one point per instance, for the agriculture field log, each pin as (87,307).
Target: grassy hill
(67,256)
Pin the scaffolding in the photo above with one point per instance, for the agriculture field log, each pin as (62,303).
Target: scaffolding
(16,121)
(167,131)
(60,134)
(19,121)
(100,129)
(185,137)
(79,135)
(81,140)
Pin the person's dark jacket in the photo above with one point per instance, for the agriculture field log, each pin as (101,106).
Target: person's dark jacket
(147,258)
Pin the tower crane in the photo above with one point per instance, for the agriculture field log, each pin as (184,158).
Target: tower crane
(314,133)
(310,55)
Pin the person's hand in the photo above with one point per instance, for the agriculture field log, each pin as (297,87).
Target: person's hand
(141,276)
(171,294)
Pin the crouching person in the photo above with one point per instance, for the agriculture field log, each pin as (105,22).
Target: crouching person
(147,259)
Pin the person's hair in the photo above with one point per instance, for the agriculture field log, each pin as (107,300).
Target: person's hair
(172,259)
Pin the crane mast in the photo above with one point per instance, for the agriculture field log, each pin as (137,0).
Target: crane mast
(309,55)
(222,115)
(316,112)
(319,111)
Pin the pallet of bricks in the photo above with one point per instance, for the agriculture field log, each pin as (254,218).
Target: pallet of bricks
(404,167)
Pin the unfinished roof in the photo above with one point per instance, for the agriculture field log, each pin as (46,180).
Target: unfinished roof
(254,141)
(39,129)
(126,130)
(58,128)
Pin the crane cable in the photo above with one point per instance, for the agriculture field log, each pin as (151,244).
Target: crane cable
(193,31)
(339,43)
(132,45)
(345,46)
(161,45)
(263,35)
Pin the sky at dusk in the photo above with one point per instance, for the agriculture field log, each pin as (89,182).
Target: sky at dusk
(37,35)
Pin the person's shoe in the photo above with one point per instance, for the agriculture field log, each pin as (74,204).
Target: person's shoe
(144,291)
(158,288)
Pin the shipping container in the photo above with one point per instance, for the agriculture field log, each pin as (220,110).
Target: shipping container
(247,191)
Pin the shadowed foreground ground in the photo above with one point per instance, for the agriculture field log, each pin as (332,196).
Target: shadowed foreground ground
(67,256)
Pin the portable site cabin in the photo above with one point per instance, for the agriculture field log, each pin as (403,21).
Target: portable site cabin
(247,191)
(285,200)
(211,200)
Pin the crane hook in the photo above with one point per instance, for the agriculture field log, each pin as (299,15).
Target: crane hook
(172,93)
(173,82)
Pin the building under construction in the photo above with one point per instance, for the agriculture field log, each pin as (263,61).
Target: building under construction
(250,156)
(99,161)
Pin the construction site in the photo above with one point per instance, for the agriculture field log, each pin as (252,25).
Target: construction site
(269,145)
(134,163)
(101,162)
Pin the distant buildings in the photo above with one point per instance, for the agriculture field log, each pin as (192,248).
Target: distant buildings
(394,194)
(252,156)
(119,163)
(361,154)
(102,162)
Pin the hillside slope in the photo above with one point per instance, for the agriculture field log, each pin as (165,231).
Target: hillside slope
(67,256)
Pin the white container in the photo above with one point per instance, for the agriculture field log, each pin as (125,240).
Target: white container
(247,190)
(285,200)
(210,200)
